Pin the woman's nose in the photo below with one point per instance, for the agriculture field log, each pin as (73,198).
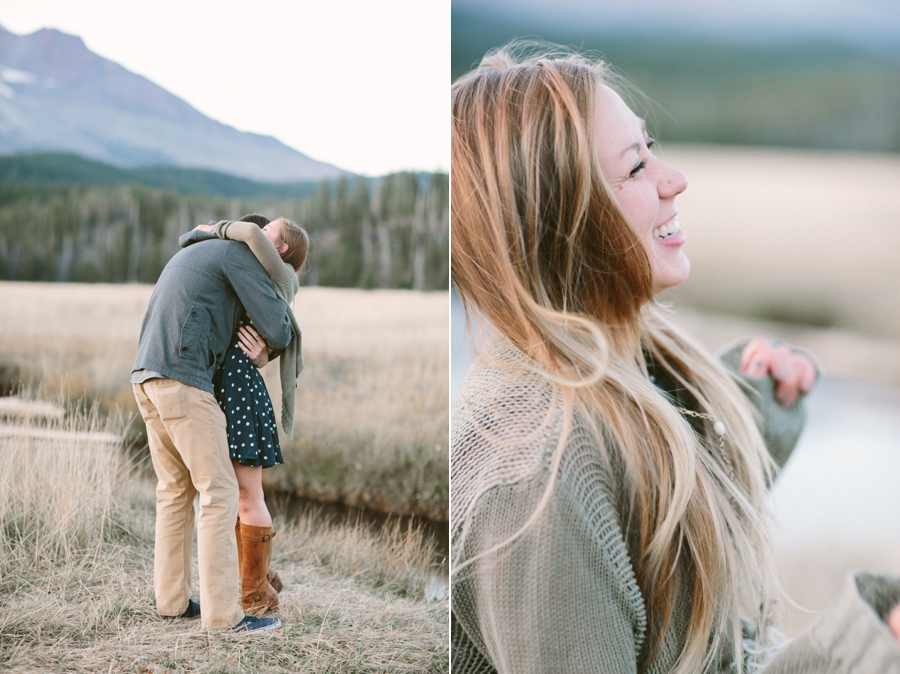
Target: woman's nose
(672,183)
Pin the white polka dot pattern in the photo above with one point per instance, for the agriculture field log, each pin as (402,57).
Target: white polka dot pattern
(252,431)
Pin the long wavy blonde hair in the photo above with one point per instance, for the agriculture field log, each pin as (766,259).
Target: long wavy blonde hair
(542,250)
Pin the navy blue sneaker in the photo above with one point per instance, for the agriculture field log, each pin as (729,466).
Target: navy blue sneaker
(255,625)
(192,611)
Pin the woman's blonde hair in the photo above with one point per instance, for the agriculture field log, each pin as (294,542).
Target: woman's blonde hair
(297,240)
(541,249)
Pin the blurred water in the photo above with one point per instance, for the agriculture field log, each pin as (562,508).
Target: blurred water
(292,506)
(843,479)
(842,484)
(459,351)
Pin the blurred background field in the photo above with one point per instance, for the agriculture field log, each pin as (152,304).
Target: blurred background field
(793,235)
(785,119)
(801,74)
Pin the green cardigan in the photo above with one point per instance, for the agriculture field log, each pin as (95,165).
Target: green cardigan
(564,596)
(286,283)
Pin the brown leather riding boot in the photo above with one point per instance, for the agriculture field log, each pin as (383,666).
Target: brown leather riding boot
(257,595)
(273,578)
(272,575)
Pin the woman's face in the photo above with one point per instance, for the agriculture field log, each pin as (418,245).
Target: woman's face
(644,186)
(273,233)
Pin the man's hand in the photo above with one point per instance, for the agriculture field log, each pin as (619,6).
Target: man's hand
(251,343)
(793,371)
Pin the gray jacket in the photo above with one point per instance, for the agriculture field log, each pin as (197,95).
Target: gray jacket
(195,307)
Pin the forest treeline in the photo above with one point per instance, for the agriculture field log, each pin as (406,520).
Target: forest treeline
(49,168)
(805,93)
(390,232)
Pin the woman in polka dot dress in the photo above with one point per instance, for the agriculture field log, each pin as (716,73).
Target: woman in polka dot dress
(243,396)
(281,246)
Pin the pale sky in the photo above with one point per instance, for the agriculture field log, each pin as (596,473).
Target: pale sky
(362,84)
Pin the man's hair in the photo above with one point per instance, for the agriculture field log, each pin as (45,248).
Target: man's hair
(257,219)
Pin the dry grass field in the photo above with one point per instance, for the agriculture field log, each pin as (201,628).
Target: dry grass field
(76,574)
(371,417)
(372,404)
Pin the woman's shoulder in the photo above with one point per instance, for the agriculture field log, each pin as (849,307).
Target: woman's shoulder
(287,284)
(503,408)
(509,422)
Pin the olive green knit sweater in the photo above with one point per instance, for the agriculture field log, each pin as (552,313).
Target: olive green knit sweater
(564,596)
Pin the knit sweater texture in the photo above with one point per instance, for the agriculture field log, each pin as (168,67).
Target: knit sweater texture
(564,596)
(286,283)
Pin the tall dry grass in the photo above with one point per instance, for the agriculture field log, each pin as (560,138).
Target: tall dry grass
(371,414)
(70,517)
(76,547)
(62,484)
(394,557)
(372,421)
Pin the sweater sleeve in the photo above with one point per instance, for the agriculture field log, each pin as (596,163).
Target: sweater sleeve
(248,233)
(780,426)
(560,598)
(849,638)
(256,293)
(852,636)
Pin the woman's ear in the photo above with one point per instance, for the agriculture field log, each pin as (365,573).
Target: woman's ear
(283,248)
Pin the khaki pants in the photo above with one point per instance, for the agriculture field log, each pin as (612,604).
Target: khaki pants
(189,448)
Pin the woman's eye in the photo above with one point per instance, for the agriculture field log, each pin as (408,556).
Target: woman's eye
(650,143)
(637,169)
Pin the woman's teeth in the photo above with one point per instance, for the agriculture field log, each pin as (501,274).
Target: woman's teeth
(665,231)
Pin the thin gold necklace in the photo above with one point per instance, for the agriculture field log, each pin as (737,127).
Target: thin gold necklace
(719,430)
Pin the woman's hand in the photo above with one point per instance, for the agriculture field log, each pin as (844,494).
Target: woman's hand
(793,371)
(893,621)
(204,228)
(251,343)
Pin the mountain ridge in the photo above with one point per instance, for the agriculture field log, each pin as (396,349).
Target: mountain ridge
(57,95)
(48,169)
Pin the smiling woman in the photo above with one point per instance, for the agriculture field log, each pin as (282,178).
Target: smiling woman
(644,186)
(609,477)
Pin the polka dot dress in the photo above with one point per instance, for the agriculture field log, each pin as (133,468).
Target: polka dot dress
(243,397)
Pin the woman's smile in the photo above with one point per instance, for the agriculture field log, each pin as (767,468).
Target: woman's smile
(669,233)
(643,185)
